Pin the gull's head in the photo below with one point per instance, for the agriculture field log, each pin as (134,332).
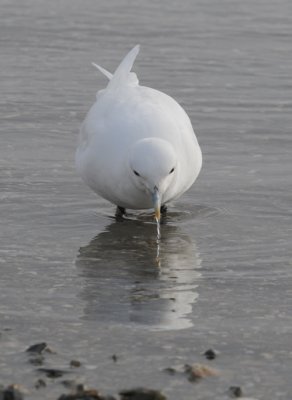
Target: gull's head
(153,163)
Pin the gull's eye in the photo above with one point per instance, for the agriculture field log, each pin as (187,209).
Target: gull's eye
(136,173)
(171,171)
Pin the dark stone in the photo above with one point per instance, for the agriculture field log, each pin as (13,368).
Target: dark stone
(12,392)
(141,394)
(235,391)
(210,354)
(37,348)
(52,372)
(85,394)
(75,363)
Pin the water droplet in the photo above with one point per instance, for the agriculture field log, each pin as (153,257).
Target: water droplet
(158,228)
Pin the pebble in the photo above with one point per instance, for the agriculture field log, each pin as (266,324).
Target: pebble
(210,354)
(11,392)
(235,391)
(75,363)
(37,348)
(142,394)
(52,372)
(199,371)
(82,393)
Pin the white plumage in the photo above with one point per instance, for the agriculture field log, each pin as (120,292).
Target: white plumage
(137,147)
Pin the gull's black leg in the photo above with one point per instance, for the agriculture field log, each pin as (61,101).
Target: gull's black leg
(163,209)
(120,212)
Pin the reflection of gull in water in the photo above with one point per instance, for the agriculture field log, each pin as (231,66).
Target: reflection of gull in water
(125,282)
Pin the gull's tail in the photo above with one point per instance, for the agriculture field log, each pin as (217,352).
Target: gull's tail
(123,74)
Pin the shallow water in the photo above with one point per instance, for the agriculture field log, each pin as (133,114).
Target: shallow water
(92,287)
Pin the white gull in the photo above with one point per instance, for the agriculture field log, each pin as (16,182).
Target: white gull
(137,147)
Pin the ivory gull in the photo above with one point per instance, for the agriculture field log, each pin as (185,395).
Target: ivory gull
(137,147)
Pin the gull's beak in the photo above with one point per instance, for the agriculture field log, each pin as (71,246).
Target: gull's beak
(156,203)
